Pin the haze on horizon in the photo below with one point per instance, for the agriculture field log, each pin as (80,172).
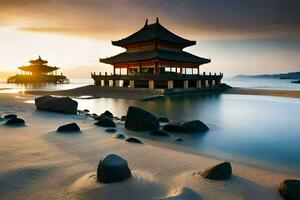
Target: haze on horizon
(241,37)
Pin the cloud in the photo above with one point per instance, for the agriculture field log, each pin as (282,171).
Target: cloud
(199,19)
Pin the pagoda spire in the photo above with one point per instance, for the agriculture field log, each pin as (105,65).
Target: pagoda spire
(157,20)
(146,23)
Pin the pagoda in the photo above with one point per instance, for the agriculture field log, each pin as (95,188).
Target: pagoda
(154,58)
(38,72)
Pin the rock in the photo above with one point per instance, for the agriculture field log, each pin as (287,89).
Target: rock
(112,169)
(107,114)
(10,116)
(105,122)
(160,133)
(86,110)
(111,130)
(140,120)
(178,140)
(123,118)
(221,171)
(186,126)
(73,127)
(94,115)
(163,119)
(119,136)
(116,118)
(290,189)
(56,104)
(15,121)
(134,140)
(98,118)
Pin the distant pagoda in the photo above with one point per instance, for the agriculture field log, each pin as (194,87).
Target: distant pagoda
(154,58)
(38,72)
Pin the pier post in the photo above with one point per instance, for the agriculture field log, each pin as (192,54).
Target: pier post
(131,84)
(185,84)
(198,84)
(170,85)
(151,84)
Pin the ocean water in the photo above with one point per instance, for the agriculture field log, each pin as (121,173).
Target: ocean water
(257,130)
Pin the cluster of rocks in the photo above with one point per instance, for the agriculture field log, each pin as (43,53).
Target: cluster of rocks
(12,120)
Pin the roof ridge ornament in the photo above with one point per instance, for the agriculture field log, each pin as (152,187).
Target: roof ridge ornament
(146,23)
(157,20)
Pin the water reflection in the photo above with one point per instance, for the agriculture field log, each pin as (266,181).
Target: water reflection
(252,129)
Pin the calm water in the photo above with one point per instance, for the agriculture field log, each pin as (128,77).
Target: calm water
(259,130)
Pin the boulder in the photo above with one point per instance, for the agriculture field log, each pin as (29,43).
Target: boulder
(15,121)
(111,130)
(163,119)
(56,104)
(112,169)
(221,171)
(186,126)
(140,120)
(123,118)
(10,116)
(73,127)
(134,140)
(290,189)
(105,122)
(119,136)
(107,114)
(98,118)
(159,133)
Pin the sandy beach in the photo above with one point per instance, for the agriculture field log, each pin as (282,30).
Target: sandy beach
(38,163)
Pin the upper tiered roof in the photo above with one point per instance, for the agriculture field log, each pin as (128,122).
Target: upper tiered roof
(38,61)
(38,66)
(153,32)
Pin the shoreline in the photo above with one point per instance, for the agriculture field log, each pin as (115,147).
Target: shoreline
(55,166)
(145,94)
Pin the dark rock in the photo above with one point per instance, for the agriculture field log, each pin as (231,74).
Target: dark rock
(221,171)
(73,127)
(116,118)
(56,104)
(98,118)
(94,115)
(111,130)
(105,122)
(290,189)
(163,119)
(134,140)
(119,136)
(160,133)
(178,140)
(86,110)
(140,120)
(10,116)
(15,121)
(107,114)
(123,118)
(112,169)
(186,126)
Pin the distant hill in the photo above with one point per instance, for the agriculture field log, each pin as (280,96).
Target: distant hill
(290,75)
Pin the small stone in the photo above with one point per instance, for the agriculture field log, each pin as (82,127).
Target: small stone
(86,110)
(290,189)
(119,136)
(160,133)
(10,116)
(111,130)
(163,119)
(15,121)
(105,122)
(123,118)
(72,127)
(134,140)
(112,169)
(178,140)
(221,171)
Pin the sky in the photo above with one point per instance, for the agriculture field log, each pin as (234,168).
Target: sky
(240,37)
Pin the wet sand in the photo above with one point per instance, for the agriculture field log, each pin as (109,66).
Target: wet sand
(38,163)
(278,93)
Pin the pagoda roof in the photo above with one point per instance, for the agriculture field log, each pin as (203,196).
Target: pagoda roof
(38,61)
(180,56)
(38,68)
(153,32)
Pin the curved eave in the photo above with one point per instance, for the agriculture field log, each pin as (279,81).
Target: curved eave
(120,43)
(38,68)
